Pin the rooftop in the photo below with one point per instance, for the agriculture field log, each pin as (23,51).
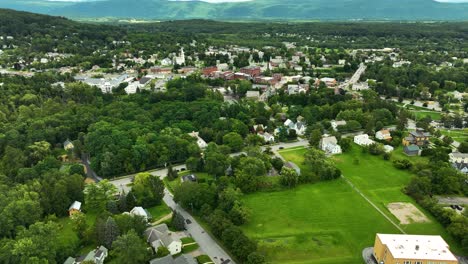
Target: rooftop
(417,247)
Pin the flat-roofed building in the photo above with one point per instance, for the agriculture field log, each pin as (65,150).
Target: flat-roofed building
(412,249)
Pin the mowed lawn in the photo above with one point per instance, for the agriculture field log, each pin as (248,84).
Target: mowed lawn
(329,222)
(458,135)
(325,222)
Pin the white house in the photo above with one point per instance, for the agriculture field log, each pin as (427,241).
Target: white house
(383,134)
(160,236)
(388,148)
(139,211)
(254,95)
(363,140)
(459,161)
(269,138)
(97,256)
(289,124)
(458,157)
(166,62)
(300,126)
(329,144)
(335,124)
(200,142)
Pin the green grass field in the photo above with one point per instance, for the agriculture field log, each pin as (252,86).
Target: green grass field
(422,114)
(458,135)
(329,222)
(159,211)
(67,236)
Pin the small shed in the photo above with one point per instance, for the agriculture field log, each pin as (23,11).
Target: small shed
(411,150)
(74,208)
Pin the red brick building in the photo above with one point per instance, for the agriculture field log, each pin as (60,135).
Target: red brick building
(209,70)
(253,71)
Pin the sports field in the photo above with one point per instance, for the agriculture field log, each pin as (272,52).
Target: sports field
(330,222)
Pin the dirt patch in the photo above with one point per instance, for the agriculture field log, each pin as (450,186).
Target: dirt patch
(407,213)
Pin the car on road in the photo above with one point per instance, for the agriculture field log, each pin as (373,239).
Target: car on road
(188,221)
(281,147)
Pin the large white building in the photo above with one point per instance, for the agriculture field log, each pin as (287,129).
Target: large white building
(363,140)
(412,249)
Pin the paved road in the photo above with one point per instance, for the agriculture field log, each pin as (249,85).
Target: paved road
(452,200)
(89,171)
(205,241)
(207,244)
(355,78)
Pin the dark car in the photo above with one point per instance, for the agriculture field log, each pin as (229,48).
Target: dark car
(188,221)
(281,147)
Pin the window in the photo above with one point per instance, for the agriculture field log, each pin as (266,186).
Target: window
(407,262)
(418,262)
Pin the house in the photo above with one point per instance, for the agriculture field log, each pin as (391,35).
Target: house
(297,88)
(293,166)
(190,178)
(252,71)
(459,161)
(329,144)
(289,124)
(209,70)
(457,157)
(166,62)
(140,211)
(383,134)
(418,137)
(68,145)
(411,150)
(329,82)
(74,208)
(182,259)
(414,249)
(269,138)
(200,142)
(335,124)
(363,140)
(299,126)
(388,148)
(254,95)
(160,236)
(97,256)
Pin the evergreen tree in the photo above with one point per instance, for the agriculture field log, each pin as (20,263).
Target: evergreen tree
(178,221)
(111,232)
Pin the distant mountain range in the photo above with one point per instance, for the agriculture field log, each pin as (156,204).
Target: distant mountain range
(250,9)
